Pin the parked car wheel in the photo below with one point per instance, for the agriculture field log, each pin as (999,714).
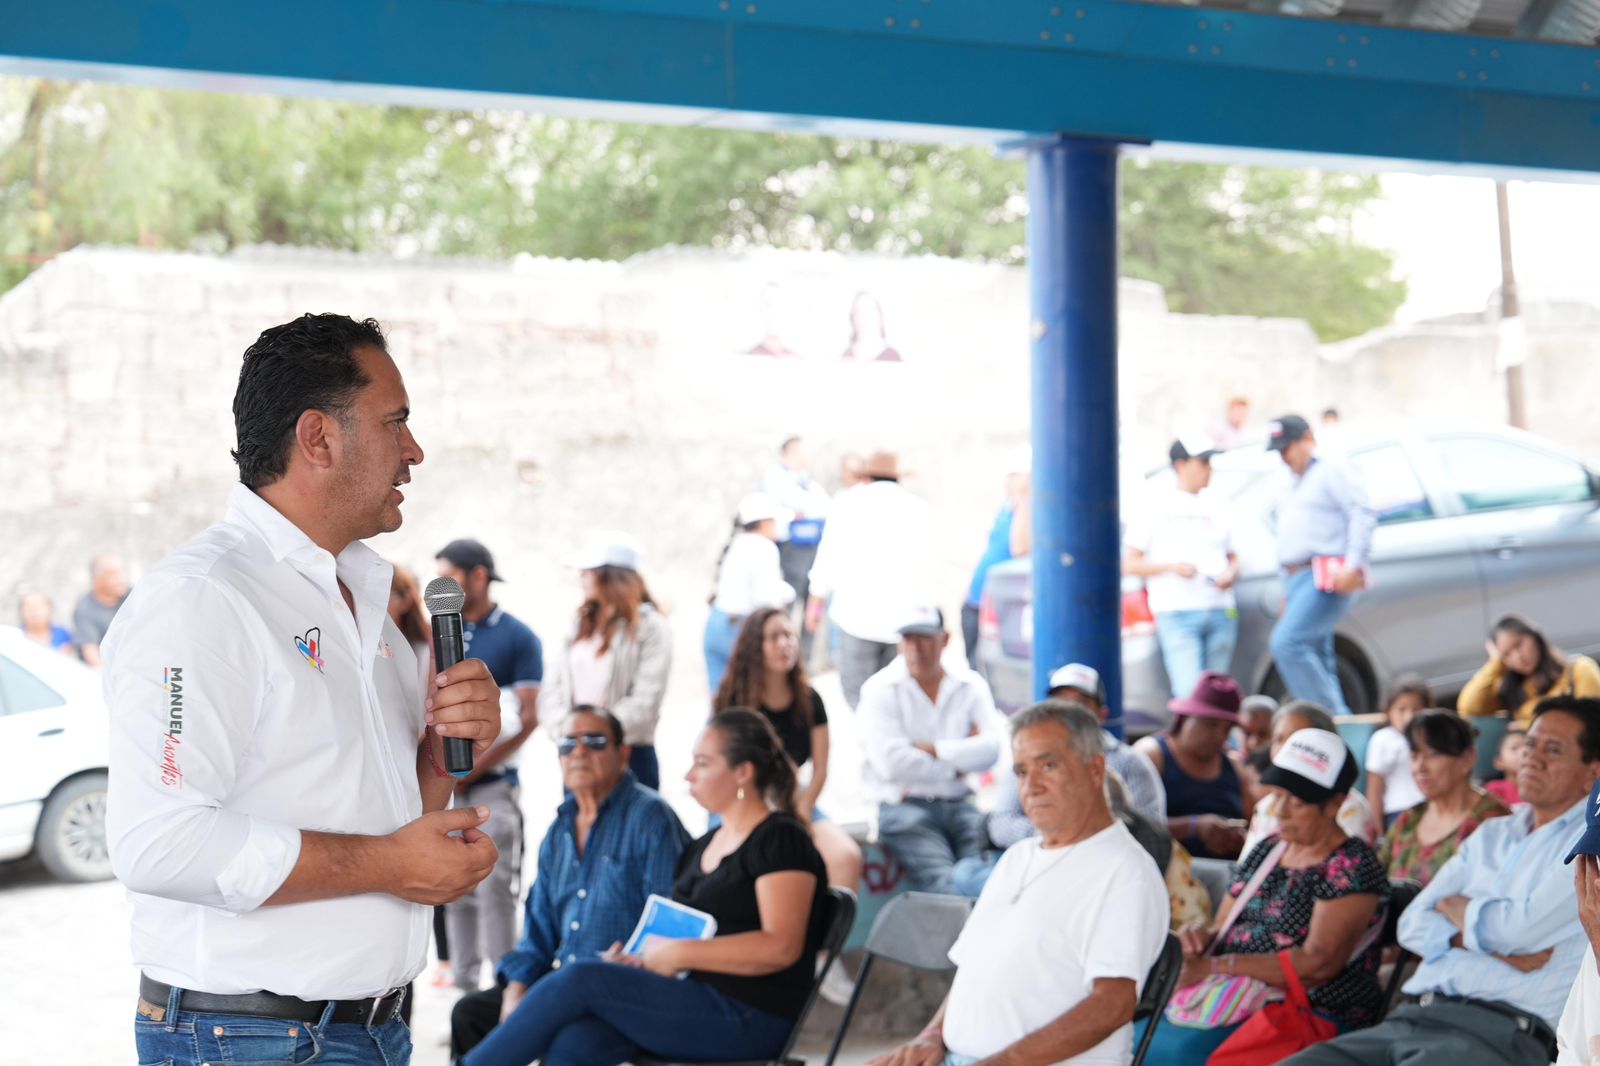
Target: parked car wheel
(1354,680)
(71,840)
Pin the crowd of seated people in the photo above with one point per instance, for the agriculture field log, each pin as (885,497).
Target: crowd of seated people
(1078,872)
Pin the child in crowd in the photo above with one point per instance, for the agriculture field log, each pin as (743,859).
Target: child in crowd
(1390,789)
(1508,760)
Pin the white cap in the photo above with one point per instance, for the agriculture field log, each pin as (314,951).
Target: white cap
(758,507)
(923,621)
(1086,679)
(610,548)
(1313,765)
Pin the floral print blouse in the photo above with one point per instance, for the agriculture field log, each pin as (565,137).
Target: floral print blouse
(1406,856)
(1278,917)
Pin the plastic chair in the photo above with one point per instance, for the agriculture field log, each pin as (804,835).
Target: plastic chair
(1402,893)
(841,916)
(1159,984)
(916,929)
(1216,875)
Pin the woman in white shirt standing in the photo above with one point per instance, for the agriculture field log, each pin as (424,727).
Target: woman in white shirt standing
(617,653)
(749,577)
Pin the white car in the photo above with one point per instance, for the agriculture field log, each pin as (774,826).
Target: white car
(55,733)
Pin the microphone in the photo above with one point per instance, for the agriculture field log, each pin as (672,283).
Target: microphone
(444,599)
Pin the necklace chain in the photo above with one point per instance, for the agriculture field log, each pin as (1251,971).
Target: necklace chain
(1026,880)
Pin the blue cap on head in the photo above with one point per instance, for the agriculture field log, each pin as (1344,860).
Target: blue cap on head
(1589,843)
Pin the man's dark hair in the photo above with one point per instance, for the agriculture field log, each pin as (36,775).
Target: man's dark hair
(613,726)
(1587,711)
(784,447)
(308,364)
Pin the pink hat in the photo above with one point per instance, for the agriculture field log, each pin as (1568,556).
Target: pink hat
(1215,696)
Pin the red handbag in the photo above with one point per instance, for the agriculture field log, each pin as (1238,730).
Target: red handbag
(1277,1030)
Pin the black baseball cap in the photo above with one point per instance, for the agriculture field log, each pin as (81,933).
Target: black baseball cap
(1190,448)
(467,555)
(1285,431)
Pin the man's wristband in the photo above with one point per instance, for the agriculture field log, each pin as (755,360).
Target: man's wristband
(438,771)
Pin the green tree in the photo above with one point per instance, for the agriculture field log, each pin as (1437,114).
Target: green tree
(87,163)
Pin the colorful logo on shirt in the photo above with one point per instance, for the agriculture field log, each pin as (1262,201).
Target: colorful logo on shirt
(172,683)
(309,647)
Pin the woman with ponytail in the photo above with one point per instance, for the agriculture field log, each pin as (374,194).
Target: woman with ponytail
(757,874)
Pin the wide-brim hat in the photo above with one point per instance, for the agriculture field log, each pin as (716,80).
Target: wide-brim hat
(1215,695)
(1313,765)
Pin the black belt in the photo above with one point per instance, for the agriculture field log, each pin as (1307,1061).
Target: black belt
(1531,1024)
(373,1012)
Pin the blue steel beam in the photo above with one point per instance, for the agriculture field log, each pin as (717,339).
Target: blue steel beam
(928,69)
(1077,552)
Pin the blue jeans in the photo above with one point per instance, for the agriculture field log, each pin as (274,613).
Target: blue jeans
(1195,641)
(1302,642)
(929,836)
(721,632)
(185,1038)
(593,1013)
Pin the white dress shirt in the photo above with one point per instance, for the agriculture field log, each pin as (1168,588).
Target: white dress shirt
(875,560)
(751,577)
(230,733)
(895,714)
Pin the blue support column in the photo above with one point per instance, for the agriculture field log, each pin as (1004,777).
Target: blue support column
(1072,263)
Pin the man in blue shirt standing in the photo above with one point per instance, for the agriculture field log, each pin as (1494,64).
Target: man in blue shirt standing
(1324,535)
(613,843)
(483,925)
(1497,928)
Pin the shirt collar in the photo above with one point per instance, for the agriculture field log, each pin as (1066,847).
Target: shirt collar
(363,570)
(568,810)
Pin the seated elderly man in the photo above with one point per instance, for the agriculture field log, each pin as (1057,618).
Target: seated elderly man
(924,729)
(1051,963)
(1140,784)
(613,843)
(1497,928)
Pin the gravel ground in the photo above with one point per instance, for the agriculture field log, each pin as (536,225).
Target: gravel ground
(78,1002)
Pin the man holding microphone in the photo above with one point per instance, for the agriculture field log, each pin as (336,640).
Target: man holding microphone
(277,802)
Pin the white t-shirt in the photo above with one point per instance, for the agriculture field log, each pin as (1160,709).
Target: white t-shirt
(591,672)
(1185,527)
(1389,754)
(1578,1034)
(1095,909)
(750,577)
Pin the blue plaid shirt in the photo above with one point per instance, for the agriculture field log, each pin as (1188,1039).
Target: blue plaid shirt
(579,905)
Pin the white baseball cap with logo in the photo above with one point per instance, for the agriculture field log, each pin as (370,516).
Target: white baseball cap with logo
(610,548)
(1313,765)
(925,621)
(1084,679)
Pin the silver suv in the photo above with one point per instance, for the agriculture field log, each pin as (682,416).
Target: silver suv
(1473,523)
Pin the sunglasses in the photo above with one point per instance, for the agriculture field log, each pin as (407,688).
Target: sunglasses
(591,741)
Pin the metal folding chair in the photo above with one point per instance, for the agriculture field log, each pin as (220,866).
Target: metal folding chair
(916,929)
(1402,893)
